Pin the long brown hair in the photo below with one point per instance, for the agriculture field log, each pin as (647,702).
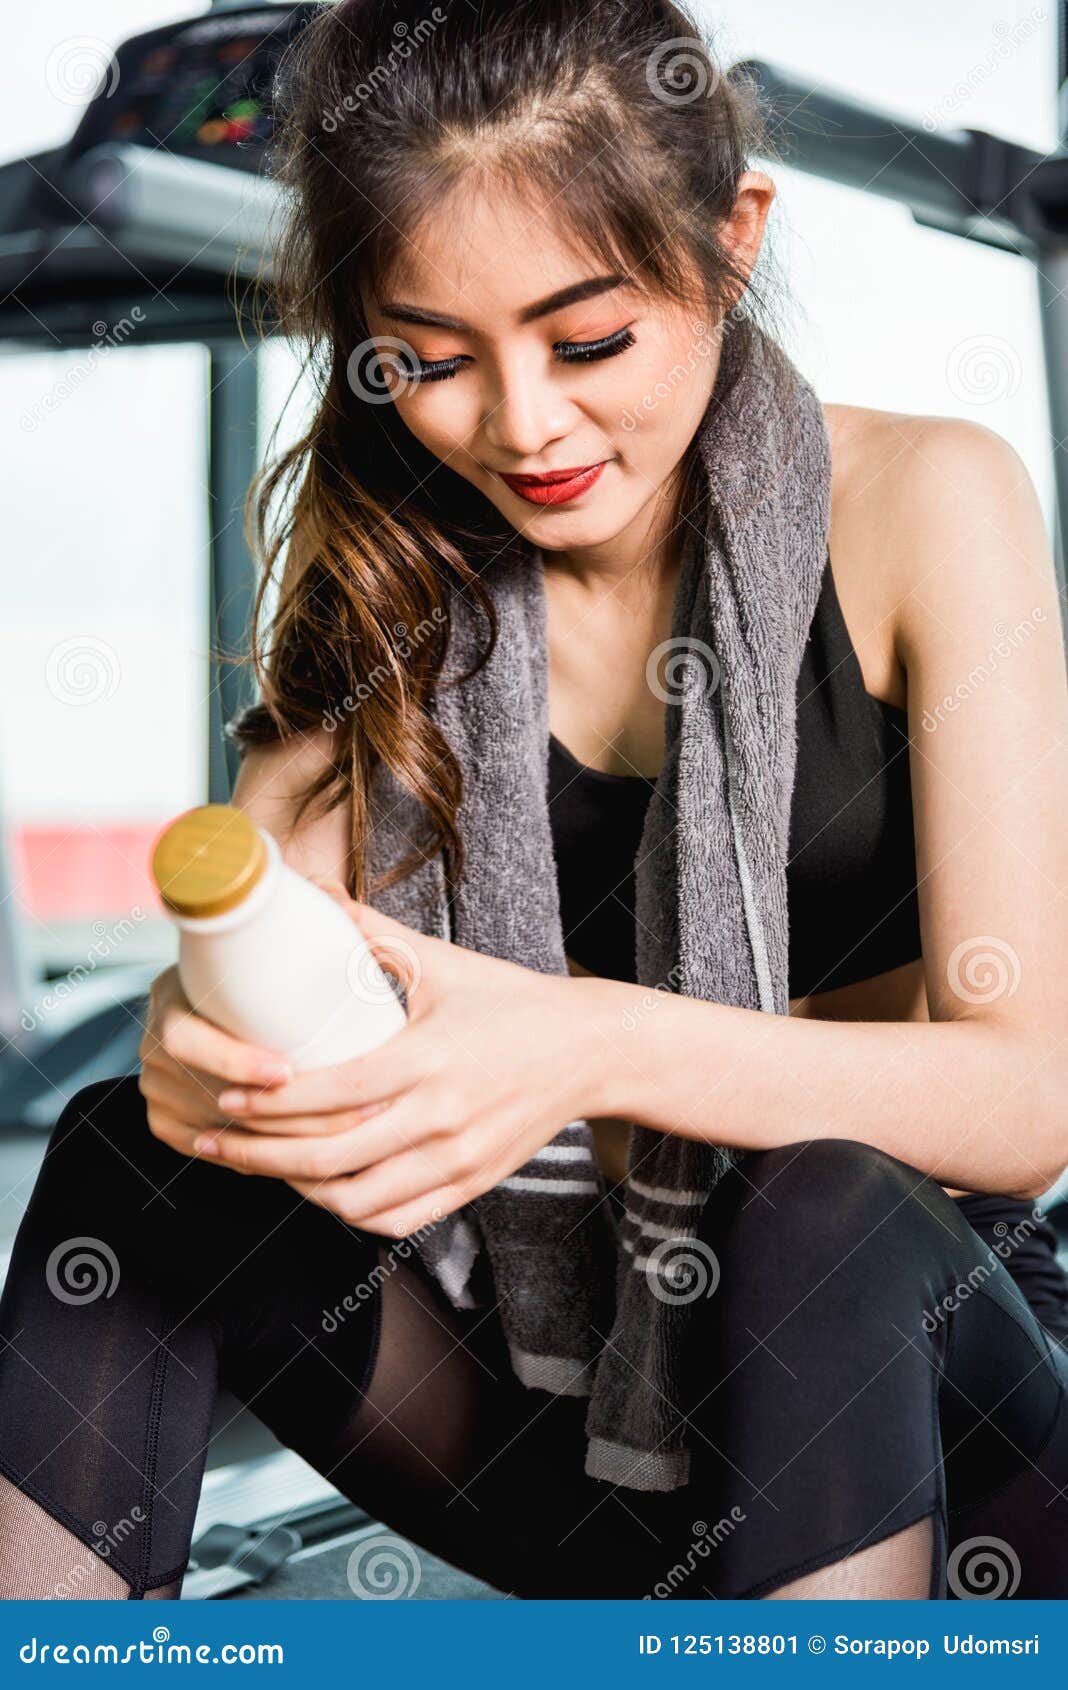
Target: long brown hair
(382,108)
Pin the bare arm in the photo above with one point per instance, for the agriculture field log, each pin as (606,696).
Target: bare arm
(975,1097)
(268,787)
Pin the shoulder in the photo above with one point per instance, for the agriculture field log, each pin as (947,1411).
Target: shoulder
(894,467)
(882,461)
(933,519)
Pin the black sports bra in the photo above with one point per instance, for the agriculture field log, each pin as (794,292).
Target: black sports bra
(851,880)
(851,875)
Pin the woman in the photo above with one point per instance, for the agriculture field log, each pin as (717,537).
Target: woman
(541,218)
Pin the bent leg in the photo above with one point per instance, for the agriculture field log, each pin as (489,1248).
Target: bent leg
(142,1278)
(1013,1541)
(837,1393)
(131,1266)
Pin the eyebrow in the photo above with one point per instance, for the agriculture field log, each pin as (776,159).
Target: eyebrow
(573,295)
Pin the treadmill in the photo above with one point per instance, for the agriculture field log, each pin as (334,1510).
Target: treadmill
(155,213)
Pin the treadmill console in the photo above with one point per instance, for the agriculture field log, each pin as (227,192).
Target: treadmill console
(200,89)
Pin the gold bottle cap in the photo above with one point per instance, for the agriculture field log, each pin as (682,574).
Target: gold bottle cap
(207,860)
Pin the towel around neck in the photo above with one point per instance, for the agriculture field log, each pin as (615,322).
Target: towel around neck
(589,1309)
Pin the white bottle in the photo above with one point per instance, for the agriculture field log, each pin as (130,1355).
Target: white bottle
(263,952)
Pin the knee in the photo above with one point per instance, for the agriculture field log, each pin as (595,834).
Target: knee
(827,1194)
(104,1127)
(110,1107)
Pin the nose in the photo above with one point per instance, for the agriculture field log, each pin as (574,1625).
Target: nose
(525,411)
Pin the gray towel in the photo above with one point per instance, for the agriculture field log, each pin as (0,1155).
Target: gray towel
(589,1309)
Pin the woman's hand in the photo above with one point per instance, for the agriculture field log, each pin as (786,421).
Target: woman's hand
(186,1061)
(494,1061)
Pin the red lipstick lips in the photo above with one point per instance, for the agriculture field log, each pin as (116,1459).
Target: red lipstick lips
(555,488)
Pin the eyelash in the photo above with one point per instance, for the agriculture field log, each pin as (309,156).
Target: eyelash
(579,352)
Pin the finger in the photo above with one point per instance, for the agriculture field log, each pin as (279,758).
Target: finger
(316,1154)
(314,1159)
(164,1088)
(327,1124)
(408,1218)
(195,1042)
(172,1130)
(399,1179)
(376,1077)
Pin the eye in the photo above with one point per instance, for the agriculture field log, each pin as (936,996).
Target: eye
(568,351)
(589,351)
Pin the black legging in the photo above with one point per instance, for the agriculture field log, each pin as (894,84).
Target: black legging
(863,1363)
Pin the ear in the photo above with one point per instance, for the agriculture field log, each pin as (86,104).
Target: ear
(743,231)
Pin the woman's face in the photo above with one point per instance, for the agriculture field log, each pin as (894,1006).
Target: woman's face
(530,361)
